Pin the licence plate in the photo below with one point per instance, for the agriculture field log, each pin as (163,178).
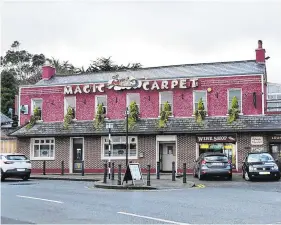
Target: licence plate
(20,169)
(264,172)
(217,164)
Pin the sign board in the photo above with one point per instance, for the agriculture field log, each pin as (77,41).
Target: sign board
(256,140)
(275,138)
(133,173)
(216,139)
(24,109)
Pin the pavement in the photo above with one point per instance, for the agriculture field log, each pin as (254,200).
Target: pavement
(215,202)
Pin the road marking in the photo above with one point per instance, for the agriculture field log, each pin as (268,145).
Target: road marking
(150,218)
(42,199)
(200,186)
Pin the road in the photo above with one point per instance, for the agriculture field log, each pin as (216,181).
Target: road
(61,202)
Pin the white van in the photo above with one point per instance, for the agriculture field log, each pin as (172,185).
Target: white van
(14,165)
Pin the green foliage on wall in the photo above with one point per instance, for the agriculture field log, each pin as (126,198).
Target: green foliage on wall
(33,118)
(200,113)
(99,118)
(68,118)
(233,112)
(164,115)
(133,114)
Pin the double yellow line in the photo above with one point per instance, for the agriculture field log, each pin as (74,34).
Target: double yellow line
(200,186)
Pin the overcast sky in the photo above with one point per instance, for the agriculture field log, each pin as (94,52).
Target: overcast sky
(152,33)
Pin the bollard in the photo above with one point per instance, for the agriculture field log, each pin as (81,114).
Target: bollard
(184,173)
(44,167)
(105,173)
(158,170)
(62,167)
(82,172)
(112,171)
(173,172)
(119,174)
(148,175)
(109,170)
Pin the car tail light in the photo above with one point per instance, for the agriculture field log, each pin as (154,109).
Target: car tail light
(8,162)
(203,162)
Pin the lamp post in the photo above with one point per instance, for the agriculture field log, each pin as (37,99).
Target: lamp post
(127,141)
(109,126)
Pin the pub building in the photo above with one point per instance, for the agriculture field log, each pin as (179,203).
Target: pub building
(179,137)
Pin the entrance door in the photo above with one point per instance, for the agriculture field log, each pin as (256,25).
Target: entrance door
(275,151)
(168,156)
(77,147)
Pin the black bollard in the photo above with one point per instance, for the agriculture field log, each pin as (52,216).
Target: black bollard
(148,175)
(44,167)
(109,170)
(62,167)
(184,173)
(112,171)
(158,170)
(119,174)
(105,173)
(173,172)
(82,172)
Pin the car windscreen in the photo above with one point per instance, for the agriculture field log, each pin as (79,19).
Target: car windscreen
(216,158)
(264,157)
(16,157)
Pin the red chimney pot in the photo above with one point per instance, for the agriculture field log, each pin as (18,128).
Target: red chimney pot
(48,72)
(260,53)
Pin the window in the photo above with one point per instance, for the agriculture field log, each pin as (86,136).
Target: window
(196,97)
(42,148)
(118,147)
(133,97)
(101,99)
(238,94)
(70,101)
(166,96)
(37,103)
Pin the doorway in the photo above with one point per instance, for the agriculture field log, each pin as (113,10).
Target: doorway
(167,155)
(77,154)
(275,151)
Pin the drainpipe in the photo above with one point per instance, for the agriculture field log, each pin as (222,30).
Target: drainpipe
(263,94)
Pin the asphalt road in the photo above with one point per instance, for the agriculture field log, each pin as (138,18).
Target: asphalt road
(221,202)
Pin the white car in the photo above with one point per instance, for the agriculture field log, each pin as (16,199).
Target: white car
(14,165)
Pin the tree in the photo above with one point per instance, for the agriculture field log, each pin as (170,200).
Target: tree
(200,113)
(233,112)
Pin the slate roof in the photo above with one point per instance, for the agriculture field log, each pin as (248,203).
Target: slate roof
(150,126)
(5,119)
(164,72)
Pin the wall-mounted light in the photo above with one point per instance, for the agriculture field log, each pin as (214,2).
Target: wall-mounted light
(255,99)
(149,98)
(217,94)
(181,96)
(116,100)
(209,90)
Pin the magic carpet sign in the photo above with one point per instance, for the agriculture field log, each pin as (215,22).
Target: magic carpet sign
(117,84)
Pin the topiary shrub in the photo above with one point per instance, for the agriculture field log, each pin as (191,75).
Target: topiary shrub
(164,115)
(99,118)
(233,112)
(33,118)
(133,114)
(68,117)
(200,113)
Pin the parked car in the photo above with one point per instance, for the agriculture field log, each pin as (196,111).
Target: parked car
(260,165)
(14,165)
(212,164)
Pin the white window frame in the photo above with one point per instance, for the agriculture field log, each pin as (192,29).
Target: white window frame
(228,100)
(32,143)
(160,100)
(128,98)
(119,157)
(205,105)
(96,104)
(65,107)
(32,107)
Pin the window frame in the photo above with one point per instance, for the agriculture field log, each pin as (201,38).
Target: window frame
(65,108)
(127,99)
(32,144)
(160,100)
(32,106)
(205,105)
(96,104)
(228,100)
(103,157)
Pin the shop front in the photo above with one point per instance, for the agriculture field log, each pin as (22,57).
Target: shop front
(219,143)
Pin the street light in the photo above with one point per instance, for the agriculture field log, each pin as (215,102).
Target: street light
(109,126)
(127,141)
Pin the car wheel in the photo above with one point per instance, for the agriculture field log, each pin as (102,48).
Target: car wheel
(229,177)
(243,175)
(247,177)
(277,178)
(2,178)
(25,178)
(194,173)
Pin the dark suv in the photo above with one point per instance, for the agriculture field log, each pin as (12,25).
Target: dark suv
(260,165)
(212,164)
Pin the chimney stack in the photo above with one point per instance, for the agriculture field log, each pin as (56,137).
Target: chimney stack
(260,53)
(48,71)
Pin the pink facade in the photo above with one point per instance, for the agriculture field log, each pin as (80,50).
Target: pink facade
(217,99)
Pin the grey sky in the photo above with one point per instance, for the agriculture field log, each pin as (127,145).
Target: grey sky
(152,33)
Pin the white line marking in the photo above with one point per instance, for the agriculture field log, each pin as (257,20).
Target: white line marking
(150,218)
(42,199)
